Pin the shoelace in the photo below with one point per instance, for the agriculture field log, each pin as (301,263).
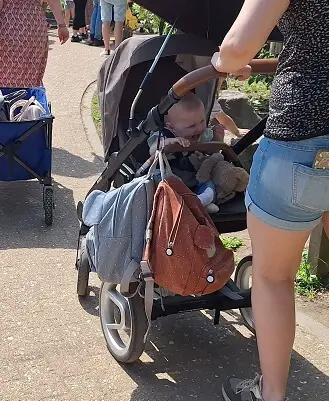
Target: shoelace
(250,384)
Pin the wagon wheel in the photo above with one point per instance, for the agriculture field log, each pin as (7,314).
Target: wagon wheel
(243,277)
(48,205)
(123,323)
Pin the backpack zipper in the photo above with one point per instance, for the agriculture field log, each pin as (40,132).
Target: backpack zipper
(173,234)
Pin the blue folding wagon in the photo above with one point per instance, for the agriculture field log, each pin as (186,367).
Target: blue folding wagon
(26,146)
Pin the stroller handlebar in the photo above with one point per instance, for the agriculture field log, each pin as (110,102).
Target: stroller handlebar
(154,119)
(208,73)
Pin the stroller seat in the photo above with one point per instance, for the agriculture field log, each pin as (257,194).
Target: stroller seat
(231,216)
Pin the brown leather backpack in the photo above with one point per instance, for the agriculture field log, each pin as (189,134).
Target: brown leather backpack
(183,249)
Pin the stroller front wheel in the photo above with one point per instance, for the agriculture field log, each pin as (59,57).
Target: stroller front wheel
(83,270)
(243,277)
(123,323)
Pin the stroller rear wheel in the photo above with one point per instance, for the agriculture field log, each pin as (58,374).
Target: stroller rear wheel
(123,322)
(243,277)
(83,270)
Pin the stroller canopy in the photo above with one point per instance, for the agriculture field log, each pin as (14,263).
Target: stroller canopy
(122,73)
(210,19)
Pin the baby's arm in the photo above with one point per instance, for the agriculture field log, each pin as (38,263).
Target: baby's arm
(228,123)
(170,141)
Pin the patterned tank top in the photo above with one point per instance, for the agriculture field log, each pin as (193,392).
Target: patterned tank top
(299,104)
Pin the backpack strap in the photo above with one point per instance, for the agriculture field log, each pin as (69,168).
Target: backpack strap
(149,293)
(130,271)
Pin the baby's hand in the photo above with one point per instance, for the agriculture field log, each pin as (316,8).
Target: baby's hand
(183,142)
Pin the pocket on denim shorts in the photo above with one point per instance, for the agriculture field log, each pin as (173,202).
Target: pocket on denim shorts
(310,188)
(258,160)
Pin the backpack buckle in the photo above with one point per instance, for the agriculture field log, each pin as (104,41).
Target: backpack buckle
(146,272)
(146,276)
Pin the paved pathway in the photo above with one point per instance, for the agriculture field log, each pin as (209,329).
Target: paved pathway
(51,346)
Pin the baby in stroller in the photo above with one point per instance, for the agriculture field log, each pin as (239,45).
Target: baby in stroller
(185,123)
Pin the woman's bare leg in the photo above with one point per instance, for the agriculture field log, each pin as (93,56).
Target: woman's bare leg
(276,258)
(106,30)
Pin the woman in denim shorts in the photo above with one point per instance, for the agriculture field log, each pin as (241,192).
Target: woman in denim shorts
(287,196)
(69,11)
(112,10)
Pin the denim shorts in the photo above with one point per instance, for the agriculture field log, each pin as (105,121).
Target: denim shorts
(284,190)
(113,11)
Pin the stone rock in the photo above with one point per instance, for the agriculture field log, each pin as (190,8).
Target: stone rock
(236,104)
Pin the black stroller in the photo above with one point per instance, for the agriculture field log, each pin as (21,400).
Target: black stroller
(129,114)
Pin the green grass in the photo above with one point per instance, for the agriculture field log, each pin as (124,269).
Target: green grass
(232,243)
(307,283)
(96,115)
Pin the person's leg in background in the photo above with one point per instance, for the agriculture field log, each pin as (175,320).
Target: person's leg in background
(83,29)
(106,16)
(88,12)
(96,26)
(79,22)
(67,12)
(72,11)
(76,21)
(93,23)
(119,19)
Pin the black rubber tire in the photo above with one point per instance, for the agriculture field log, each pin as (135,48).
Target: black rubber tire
(83,272)
(244,264)
(48,205)
(139,327)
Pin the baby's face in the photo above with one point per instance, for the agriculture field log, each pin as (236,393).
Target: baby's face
(188,124)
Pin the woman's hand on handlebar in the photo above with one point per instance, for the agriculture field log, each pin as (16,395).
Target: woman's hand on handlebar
(241,75)
(244,73)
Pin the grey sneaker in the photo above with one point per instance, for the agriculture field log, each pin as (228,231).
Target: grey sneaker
(243,390)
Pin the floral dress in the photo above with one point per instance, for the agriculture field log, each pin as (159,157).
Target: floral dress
(23,43)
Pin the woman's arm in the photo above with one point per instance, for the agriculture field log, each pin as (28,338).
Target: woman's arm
(56,8)
(248,34)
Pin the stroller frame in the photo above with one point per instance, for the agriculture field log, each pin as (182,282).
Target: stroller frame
(118,313)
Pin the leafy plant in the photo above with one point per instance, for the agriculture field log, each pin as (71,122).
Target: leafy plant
(232,243)
(307,283)
(258,93)
(149,22)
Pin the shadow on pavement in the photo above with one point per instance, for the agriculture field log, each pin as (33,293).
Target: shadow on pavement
(188,359)
(91,303)
(67,164)
(22,217)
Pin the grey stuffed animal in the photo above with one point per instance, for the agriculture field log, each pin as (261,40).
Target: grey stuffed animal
(228,179)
